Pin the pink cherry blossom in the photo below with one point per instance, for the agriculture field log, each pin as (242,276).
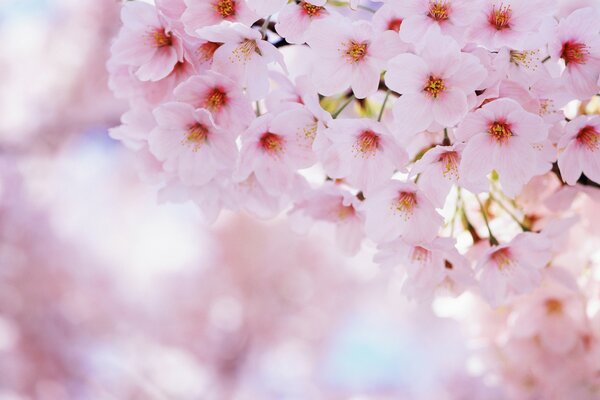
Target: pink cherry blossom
(576,42)
(438,171)
(500,136)
(243,55)
(434,84)
(273,153)
(220,95)
(508,23)
(449,16)
(333,204)
(362,152)
(189,143)
(555,316)
(295,20)
(388,17)
(513,268)
(400,209)
(199,14)
(580,149)
(350,55)
(429,266)
(145,43)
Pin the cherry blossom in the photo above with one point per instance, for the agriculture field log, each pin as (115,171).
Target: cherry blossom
(434,84)
(580,150)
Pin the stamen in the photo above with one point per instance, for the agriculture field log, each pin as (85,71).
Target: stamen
(367,143)
(574,53)
(405,204)
(589,137)
(215,100)
(161,38)
(527,58)
(207,50)
(244,51)
(197,135)
(438,10)
(449,161)
(553,306)
(500,17)
(225,8)
(500,131)
(502,258)
(271,143)
(311,10)
(355,51)
(434,86)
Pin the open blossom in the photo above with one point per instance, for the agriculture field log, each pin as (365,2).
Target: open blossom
(350,54)
(580,149)
(220,95)
(500,136)
(264,8)
(429,266)
(388,17)
(508,22)
(434,84)
(362,152)
(273,152)
(576,42)
(450,16)
(553,315)
(438,171)
(190,144)
(244,55)
(295,20)
(145,43)
(400,209)
(513,268)
(333,204)
(199,14)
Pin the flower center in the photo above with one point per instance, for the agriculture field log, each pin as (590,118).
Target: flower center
(574,53)
(216,99)
(500,131)
(207,50)
(434,86)
(162,38)
(311,10)
(245,50)
(500,17)
(501,258)
(553,306)
(345,211)
(225,8)
(438,10)
(527,58)
(367,143)
(395,24)
(420,255)
(271,143)
(589,137)
(449,162)
(197,135)
(405,203)
(355,51)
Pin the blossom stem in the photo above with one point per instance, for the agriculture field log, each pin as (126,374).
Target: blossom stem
(385,100)
(492,238)
(339,110)
(510,213)
(265,25)
(258,108)
(446,141)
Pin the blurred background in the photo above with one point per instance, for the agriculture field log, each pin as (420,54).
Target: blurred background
(106,294)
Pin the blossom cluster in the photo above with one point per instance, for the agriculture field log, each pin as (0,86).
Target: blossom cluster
(435,129)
